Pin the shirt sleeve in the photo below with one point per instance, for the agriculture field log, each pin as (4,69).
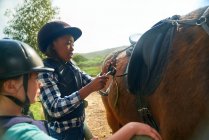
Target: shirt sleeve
(85,78)
(51,97)
(25,131)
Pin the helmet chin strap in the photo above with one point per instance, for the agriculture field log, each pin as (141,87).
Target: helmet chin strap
(15,100)
(26,104)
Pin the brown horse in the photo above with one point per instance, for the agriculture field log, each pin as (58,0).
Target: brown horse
(167,81)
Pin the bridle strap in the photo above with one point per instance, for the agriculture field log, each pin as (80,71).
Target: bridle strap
(112,71)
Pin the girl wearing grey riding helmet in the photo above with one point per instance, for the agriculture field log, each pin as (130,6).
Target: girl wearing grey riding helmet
(19,87)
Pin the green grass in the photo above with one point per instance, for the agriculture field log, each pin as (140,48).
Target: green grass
(91,66)
(37,111)
(93,71)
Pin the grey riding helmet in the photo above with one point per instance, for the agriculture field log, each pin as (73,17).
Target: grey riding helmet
(18,58)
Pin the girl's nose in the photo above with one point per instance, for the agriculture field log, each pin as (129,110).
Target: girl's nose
(40,84)
(71,48)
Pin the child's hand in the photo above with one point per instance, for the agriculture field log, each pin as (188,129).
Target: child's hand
(99,82)
(96,84)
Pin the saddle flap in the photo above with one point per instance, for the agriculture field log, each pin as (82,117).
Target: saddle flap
(148,59)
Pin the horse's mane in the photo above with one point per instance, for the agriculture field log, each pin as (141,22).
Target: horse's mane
(195,14)
(112,54)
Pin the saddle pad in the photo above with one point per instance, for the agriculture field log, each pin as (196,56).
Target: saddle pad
(149,58)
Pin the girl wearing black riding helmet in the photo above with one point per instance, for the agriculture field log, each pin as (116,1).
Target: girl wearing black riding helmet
(65,89)
(19,87)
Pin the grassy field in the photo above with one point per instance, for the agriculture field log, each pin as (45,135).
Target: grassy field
(37,111)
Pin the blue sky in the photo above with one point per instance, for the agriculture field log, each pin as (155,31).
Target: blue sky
(109,23)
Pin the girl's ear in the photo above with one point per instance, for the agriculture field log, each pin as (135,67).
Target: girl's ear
(11,86)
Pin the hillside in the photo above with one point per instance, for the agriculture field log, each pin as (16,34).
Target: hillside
(91,62)
(102,53)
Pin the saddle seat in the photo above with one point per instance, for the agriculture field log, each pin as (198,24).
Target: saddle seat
(149,58)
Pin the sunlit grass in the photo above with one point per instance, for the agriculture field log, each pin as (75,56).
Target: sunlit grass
(37,111)
(93,71)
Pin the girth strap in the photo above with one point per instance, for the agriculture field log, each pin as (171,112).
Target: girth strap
(145,113)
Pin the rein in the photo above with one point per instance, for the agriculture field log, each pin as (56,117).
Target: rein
(112,71)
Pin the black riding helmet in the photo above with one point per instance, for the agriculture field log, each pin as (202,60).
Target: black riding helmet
(52,30)
(16,59)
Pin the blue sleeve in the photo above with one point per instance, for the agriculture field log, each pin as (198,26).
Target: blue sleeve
(25,131)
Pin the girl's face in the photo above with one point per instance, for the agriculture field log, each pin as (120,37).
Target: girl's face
(33,90)
(33,87)
(15,88)
(64,47)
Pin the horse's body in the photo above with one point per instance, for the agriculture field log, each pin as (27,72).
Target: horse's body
(180,102)
(120,105)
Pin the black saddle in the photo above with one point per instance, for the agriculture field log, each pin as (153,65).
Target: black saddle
(149,57)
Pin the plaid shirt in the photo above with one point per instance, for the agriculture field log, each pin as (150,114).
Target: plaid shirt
(58,107)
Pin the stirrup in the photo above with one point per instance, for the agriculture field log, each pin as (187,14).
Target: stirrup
(105,93)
